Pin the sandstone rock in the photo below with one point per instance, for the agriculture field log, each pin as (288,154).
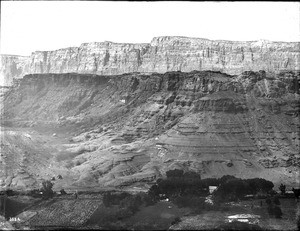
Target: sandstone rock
(169,53)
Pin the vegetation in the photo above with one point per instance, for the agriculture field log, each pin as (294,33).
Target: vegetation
(184,191)
(273,207)
(298,216)
(177,184)
(127,203)
(180,185)
(47,189)
(282,188)
(235,188)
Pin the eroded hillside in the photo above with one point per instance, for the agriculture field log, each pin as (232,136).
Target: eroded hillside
(130,129)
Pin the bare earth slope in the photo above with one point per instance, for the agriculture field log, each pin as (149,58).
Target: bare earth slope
(130,129)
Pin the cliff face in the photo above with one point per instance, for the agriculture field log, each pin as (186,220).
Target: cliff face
(161,55)
(12,67)
(132,128)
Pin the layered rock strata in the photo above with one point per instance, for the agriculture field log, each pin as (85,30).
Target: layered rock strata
(132,128)
(161,55)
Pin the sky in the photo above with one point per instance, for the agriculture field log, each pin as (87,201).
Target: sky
(28,26)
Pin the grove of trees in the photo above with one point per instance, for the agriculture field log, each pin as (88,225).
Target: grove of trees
(179,183)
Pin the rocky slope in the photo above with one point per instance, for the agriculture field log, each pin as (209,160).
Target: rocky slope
(131,128)
(161,55)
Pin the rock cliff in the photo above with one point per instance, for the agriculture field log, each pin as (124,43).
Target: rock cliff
(131,128)
(161,55)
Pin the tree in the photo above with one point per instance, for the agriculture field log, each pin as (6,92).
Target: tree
(107,199)
(232,189)
(277,212)
(63,192)
(47,189)
(174,173)
(282,188)
(191,175)
(154,191)
(270,206)
(224,179)
(276,201)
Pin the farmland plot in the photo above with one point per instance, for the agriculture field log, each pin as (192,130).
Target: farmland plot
(65,213)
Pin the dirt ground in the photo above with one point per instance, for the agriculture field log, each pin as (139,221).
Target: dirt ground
(212,219)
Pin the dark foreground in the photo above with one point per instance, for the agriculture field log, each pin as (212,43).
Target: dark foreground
(89,211)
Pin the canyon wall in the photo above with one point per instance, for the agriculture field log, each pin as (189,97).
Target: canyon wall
(132,128)
(161,55)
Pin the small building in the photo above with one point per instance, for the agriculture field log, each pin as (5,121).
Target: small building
(247,218)
(212,189)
